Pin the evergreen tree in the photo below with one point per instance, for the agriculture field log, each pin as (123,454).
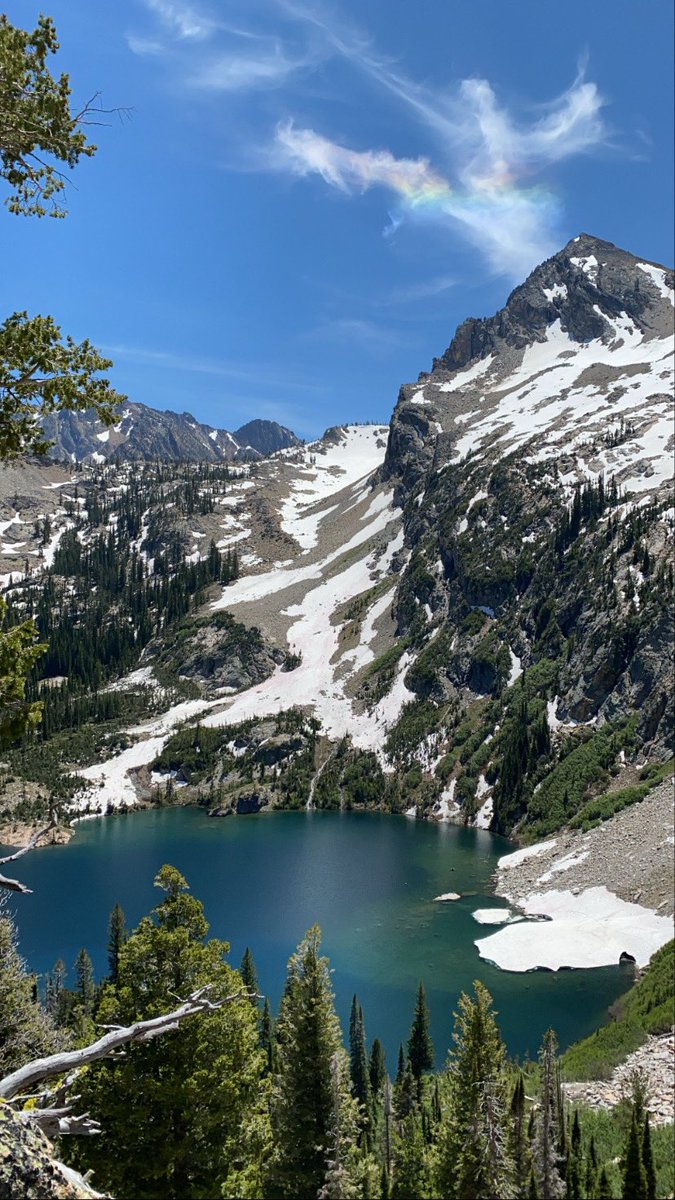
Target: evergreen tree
(340,1180)
(117,937)
(400,1067)
(85,987)
(420,1045)
(268,1038)
(26,1031)
(648,1160)
(604,1190)
(377,1068)
(406,1094)
(546,1160)
(358,1058)
(519,1148)
(184,1107)
(634,1181)
(57,1001)
(303,1100)
(249,975)
(410,1174)
(472,1156)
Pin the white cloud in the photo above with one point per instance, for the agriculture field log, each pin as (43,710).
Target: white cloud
(305,152)
(484,186)
(230,72)
(182,20)
(482,190)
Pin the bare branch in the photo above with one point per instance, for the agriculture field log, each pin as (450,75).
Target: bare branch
(32,843)
(56,1121)
(15,885)
(141,1031)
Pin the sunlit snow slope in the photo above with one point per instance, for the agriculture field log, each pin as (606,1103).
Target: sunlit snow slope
(340,533)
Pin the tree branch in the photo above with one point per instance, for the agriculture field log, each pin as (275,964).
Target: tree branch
(141,1031)
(56,1121)
(15,885)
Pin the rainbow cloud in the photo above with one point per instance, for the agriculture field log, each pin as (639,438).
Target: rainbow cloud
(511,223)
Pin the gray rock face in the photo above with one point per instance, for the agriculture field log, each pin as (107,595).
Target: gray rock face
(28,1166)
(217,657)
(265,436)
(252,802)
(144,433)
(590,291)
(581,299)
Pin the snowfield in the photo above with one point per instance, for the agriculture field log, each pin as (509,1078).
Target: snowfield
(592,929)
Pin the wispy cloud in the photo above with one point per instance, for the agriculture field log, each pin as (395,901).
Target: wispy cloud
(354,330)
(230,72)
(182,20)
(485,190)
(485,184)
(196,364)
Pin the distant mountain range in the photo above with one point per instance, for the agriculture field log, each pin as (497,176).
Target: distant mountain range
(146,434)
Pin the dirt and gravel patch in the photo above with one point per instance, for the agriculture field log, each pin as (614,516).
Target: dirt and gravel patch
(631,854)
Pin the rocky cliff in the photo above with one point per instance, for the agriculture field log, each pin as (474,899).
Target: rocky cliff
(144,433)
(534,463)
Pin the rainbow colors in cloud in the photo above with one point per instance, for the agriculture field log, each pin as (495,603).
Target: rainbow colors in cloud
(511,223)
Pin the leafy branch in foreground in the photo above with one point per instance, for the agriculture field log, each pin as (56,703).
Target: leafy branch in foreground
(40,373)
(19,651)
(36,120)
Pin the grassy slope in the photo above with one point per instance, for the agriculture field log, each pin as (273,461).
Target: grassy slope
(648,1008)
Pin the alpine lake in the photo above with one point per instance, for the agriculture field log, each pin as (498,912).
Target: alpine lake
(369,881)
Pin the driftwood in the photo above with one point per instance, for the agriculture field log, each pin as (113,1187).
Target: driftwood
(117,1036)
(15,885)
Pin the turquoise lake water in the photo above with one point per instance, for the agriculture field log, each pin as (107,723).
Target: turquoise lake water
(367,879)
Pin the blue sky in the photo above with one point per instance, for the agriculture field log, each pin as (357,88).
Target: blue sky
(298,202)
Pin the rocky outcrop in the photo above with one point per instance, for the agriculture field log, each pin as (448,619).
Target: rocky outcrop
(584,290)
(218,653)
(568,287)
(28,1167)
(654,1062)
(266,437)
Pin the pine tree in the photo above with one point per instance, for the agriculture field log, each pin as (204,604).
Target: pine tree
(519,1148)
(57,997)
(268,1038)
(377,1069)
(420,1045)
(303,1103)
(358,1058)
(406,1094)
(548,1177)
(634,1181)
(117,937)
(85,987)
(340,1180)
(410,1174)
(604,1191)
(648,1160)
(472,1155)
(400,1067)
(26,1031)
(201,1085)
(249,975)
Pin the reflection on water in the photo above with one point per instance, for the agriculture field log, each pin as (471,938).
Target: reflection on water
(368,880)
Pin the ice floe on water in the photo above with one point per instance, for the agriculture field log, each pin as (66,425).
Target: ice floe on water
(592,929)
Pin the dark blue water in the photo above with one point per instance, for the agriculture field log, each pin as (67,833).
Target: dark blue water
(368,880)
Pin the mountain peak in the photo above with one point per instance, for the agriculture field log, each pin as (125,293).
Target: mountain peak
(144,433)
(585,286)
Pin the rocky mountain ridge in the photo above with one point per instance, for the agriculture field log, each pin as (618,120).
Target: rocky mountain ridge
(146,434)
(468,611)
